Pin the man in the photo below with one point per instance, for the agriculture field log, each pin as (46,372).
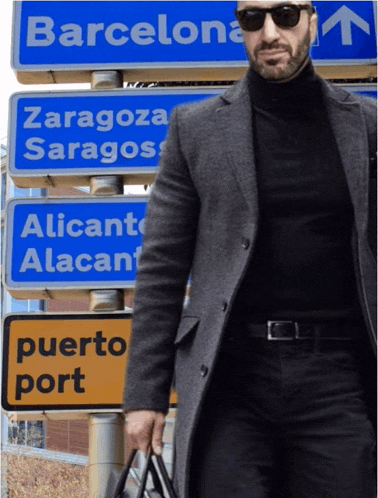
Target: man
(263,196)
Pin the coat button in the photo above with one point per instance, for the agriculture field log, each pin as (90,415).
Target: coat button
(224,305)
(204,370)
(245,243)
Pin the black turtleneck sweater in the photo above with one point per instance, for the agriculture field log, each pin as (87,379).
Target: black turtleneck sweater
(302,267)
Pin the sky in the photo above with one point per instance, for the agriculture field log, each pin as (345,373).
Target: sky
(8,80)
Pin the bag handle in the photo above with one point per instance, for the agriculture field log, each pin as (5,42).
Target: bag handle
(166,480)
(125,473)
(143,479)
(148,467)
(156,479)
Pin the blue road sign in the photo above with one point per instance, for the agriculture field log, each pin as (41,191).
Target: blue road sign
(65,138)
(346,32)
(190,34)
(63,244)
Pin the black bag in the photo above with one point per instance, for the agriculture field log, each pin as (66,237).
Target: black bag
(158,480)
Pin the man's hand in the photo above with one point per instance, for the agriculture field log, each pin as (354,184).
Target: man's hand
(145,429)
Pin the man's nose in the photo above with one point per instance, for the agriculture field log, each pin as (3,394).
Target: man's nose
(270,32)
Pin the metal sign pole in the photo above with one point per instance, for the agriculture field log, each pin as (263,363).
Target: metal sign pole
(106,451)
(106,430)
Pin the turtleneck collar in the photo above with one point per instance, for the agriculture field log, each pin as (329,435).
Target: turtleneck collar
(304,90)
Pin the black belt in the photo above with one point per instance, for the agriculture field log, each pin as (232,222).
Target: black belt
(282,330)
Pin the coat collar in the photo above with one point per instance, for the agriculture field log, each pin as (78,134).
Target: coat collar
(235,120)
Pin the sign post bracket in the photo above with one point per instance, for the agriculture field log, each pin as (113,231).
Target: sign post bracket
(106,185)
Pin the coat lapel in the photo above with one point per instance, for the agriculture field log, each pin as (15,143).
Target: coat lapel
(235,123)
(350,133)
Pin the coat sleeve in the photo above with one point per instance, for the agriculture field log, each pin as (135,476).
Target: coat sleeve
(163,271)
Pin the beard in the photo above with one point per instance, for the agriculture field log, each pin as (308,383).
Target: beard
(273,69)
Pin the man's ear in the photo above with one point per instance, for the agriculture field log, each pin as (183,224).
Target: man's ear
(313,26)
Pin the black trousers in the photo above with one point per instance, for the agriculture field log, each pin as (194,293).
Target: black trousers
(285,419)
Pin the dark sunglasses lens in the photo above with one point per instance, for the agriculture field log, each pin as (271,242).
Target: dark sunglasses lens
(251,20)
(286,16)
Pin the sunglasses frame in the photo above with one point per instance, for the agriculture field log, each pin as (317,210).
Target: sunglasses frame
(271,10)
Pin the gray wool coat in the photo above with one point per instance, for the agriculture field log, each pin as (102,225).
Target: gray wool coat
(202,220)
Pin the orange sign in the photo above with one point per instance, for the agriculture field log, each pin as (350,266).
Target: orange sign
(65,362)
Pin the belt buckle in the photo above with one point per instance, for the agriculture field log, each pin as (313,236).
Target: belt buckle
(271,325)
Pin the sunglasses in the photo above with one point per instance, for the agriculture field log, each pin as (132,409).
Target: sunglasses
(284,16)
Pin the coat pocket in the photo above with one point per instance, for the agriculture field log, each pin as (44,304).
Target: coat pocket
(187,327)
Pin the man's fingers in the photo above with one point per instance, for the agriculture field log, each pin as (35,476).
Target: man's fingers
(157,434)
(145,428)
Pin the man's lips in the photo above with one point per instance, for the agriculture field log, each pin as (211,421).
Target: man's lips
(274,52)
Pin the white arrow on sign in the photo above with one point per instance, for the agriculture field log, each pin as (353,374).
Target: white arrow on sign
(345,16)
